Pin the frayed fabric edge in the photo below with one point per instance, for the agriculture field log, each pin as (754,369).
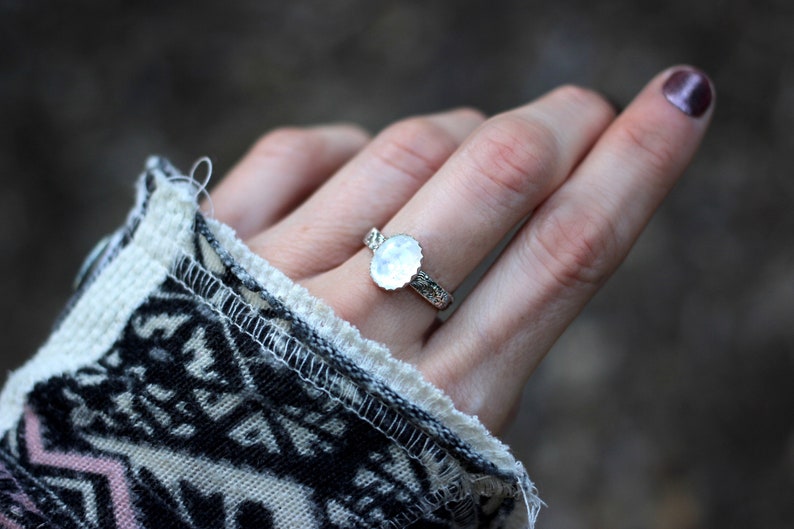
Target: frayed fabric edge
(377,359)
(294,355)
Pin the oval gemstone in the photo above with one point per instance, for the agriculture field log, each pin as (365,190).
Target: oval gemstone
(396,262)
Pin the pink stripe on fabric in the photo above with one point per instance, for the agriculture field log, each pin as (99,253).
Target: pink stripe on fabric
(5,523)
(112,469)
(20,496)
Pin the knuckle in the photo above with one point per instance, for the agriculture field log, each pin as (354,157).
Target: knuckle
(416,147)
(643,142)
(287,142)
(472,113)
(580,97)
(578,253)
(511,157)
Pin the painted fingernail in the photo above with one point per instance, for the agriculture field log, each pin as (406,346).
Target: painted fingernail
(689,90)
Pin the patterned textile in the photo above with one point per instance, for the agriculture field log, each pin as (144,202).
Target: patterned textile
(191,385)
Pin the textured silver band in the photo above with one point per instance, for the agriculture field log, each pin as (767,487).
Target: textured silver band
(431,291)
(374,239)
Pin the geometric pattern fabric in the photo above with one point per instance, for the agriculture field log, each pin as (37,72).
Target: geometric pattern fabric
(217,406)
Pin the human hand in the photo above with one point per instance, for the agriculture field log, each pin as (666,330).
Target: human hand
(303,199)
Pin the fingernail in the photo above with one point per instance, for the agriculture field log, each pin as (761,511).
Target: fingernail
(689,90)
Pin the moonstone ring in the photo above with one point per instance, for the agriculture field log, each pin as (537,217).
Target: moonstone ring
(396,263)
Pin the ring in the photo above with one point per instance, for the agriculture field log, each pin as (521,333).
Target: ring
(396,263)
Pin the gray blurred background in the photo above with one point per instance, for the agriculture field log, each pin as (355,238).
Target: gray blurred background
(669,404)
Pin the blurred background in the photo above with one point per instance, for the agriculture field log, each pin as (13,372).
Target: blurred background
(669,404)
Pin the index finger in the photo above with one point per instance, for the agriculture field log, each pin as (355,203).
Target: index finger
(570,245)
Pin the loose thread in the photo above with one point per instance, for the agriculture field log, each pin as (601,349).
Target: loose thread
(524,486)
(201,186)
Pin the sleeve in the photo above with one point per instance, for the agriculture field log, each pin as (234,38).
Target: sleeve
(189,384)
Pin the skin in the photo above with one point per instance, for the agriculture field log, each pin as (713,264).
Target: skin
(458,182)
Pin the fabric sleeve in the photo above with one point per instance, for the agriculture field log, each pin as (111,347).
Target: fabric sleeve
(189,384)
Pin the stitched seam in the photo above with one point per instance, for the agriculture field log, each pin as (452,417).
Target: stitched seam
(323,376)
(444,436)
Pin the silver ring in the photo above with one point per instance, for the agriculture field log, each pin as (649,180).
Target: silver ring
(396,263)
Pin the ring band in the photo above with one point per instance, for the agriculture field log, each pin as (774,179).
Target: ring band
(396,263)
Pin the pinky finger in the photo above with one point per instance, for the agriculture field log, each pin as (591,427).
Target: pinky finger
(281,170)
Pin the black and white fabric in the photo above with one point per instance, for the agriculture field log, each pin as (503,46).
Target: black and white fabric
(191,385)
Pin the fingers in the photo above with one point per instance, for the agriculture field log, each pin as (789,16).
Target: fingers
(502,172)
(569,247)
(327,229)
(280,170)
(458,185)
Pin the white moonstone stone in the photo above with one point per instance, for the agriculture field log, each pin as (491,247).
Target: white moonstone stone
(396,262)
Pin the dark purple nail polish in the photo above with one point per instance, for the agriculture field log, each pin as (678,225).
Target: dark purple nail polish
(689,90)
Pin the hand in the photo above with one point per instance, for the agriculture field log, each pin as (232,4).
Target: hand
(304,198)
